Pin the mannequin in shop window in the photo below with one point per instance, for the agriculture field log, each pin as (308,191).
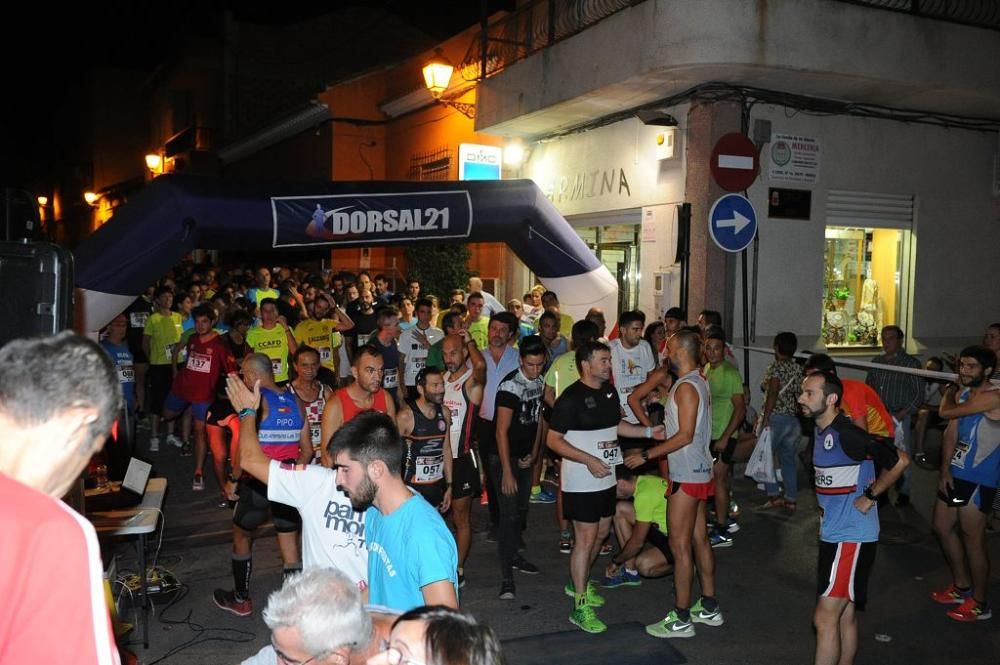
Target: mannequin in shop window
(869,314)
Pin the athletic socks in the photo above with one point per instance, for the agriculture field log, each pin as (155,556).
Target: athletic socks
(709,603)
(241,576)
(580,600)
(683,614)
(291,569)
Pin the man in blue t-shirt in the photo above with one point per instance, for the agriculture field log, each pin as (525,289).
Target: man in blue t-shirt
(119,452)
(412,557)
(847,493)
(970,474)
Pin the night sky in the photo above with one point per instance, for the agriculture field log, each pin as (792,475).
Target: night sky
(48,45)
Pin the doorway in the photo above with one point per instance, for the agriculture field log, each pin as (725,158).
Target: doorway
(617,247)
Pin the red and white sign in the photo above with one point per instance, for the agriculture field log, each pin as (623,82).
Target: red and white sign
(735,162)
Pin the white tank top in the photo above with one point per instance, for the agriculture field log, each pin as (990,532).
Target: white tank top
(455,401)
(693,462)
(629,368)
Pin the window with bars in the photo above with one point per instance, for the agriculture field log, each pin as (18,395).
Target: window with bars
(431,165)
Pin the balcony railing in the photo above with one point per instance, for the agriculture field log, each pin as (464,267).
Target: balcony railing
(531,28)
(977,13)
(543,23)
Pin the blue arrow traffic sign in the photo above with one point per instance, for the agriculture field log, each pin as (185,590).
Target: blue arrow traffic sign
(732,223)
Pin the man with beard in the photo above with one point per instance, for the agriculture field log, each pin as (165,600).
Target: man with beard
(844,457)
(968,483)
(365,393)
(463,393)
(424,426)
(333,534)
(412,559)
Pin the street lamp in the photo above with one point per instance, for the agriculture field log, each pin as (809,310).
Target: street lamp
(437,73)
(154,162)
(437,77)
(90,198)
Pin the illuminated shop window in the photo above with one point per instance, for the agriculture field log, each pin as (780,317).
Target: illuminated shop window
(865,283)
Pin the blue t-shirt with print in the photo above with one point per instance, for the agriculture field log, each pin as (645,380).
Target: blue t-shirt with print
(407,550)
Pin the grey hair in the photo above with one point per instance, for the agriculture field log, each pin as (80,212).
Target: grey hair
(42,377)
(324,606)
(259,363)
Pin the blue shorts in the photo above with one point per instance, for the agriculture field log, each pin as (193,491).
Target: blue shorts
(177,404)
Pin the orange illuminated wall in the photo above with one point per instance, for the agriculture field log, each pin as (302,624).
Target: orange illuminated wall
(368,145)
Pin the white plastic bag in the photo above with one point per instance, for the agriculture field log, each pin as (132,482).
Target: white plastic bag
(899,439)
(761,465)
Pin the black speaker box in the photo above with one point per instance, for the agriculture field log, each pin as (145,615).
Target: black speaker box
(36,290)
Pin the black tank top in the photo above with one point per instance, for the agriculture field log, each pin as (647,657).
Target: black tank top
(425,447)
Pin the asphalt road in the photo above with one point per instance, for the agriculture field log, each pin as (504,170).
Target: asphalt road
(765,581)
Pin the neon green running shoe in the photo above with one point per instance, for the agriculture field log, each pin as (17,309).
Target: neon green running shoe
(585,618)
(594,599)
(700,615)
(671,626)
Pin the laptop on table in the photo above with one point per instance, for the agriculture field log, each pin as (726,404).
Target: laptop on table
(130,493)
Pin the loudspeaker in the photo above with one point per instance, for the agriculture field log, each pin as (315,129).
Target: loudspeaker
(20,215)
(36,290)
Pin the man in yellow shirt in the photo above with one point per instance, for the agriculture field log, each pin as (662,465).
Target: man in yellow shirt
(273,339)
(162,331)
(263,289)
(322,331)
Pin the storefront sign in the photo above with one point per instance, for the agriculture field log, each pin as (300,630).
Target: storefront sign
(610,168)
(370,218)
(479,162)
(794,158)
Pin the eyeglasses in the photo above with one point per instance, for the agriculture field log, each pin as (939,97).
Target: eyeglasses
(394,656)
(282,658)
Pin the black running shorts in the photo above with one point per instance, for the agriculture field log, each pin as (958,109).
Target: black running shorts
(589,506)
(253,507)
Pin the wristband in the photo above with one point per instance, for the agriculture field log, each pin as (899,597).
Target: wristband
(246,412)
(645,455)
(870,495)
(649,432)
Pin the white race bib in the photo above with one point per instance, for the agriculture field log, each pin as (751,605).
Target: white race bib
(325,354)
(961,450)
(611,453)
(428,469)
(126,374)
(314,432)
(390,379)
(138,319)
(199,362)
(276,366)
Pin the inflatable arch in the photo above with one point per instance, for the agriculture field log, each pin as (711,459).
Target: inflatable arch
(177,214)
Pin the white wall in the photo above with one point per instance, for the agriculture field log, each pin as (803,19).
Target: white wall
(817,47)
(571,171)
(956,227)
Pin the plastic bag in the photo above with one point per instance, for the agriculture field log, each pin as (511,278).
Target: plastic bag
(899,439)
(761,465)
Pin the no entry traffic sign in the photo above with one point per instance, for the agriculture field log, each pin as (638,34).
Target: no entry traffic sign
(735,162)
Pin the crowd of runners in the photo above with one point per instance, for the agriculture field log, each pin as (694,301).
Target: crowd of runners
(365,423)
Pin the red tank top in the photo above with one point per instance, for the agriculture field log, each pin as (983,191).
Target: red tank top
(350,409)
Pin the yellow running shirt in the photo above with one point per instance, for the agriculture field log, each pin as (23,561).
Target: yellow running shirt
(322,336)
(272,343)
(163,333)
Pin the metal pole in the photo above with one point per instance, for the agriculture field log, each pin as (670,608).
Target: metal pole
(484,39)
(684,250)
(746,320)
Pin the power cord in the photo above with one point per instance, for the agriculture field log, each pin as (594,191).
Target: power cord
(203,634)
